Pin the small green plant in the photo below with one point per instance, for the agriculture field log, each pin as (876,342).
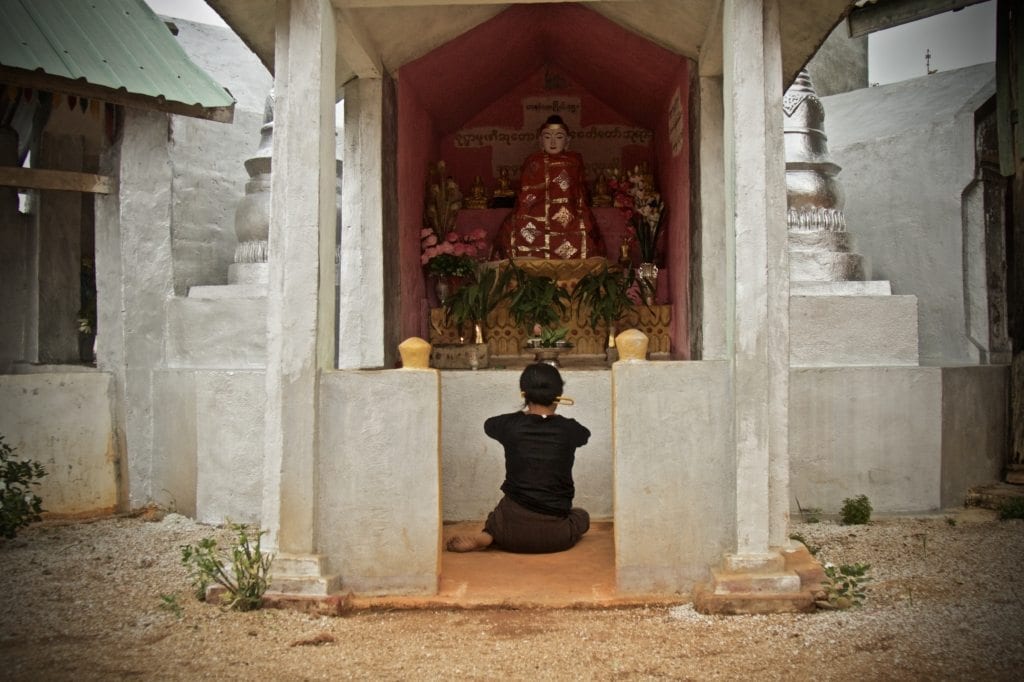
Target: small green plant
(813,549)
(19,506)
(550,336)
(843,585)
(950,521)
(474,301)
(169,602)
(856,510)
(1011,508)
(245,580)
(536,300)
(604,297)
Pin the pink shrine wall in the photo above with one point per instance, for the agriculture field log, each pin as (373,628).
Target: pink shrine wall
(501,132)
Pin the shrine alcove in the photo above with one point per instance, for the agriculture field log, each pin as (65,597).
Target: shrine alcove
(477,102)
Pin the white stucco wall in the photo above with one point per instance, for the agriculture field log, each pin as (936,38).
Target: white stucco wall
(64,421)
(675,477)
(174,441)
(206,157)
(907,153)
(473,465)
(230,418)
(378,484)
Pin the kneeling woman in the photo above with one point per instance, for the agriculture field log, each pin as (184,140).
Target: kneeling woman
(536,513)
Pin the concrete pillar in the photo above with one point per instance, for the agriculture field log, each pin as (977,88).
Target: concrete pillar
(300,325)
(368,333)
(756,228)
(716,264)
(134,279)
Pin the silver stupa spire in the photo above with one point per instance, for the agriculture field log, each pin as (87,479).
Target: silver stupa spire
(819,245)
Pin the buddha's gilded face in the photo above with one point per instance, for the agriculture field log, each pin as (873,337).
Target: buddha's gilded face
(554,140)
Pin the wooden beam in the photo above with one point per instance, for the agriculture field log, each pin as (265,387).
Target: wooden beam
(66,181)
(878,17)
(80,88)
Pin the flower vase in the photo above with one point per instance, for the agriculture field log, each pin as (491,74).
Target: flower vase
(443,290)
(445,286)
(478,333)
(647,275)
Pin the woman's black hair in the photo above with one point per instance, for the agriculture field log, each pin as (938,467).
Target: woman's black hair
(541,384)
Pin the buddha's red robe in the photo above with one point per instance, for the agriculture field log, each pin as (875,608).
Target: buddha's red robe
(552,218)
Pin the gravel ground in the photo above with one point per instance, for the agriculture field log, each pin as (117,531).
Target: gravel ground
(83,601)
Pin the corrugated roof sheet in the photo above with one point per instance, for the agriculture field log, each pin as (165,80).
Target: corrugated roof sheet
(116,44)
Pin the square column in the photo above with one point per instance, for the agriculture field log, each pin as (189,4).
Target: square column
(368,333)
(762,575)
(300,324)
(756,224)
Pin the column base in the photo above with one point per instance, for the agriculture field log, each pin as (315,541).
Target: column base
(302,574)
(784,581)
(298,583)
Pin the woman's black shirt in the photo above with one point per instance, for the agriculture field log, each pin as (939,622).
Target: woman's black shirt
(539,454)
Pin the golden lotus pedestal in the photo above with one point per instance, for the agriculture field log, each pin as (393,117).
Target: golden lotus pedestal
(507,342)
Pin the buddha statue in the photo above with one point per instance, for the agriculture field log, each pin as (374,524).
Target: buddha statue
(504,196)
(552,218)
(477,195)
(601,197)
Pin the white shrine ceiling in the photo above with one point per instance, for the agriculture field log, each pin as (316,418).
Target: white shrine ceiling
(383,35)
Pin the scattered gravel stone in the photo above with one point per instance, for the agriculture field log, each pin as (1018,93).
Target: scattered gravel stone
(110,600)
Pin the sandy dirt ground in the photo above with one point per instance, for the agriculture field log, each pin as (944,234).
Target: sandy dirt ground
(109,599)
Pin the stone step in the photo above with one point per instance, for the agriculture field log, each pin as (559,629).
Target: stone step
(298,565)
(706,601)
(827,331)
(316,586)
(728,582)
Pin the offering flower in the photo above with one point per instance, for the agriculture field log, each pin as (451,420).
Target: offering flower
(643,208)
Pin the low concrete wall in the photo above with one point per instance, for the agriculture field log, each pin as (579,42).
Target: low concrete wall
(875,431)
(913,439)
(975,428)
(64,421)
(675,480)
(473,465)
(230,424)
(174,441)
(378,485)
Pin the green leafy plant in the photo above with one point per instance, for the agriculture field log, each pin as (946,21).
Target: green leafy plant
(19,506)
(474,301)
(813,549)
(843,585)
(1011,508)
(536,300)
(604,297)
(551,336)
(856,510)
(169,603)
(245,580)
(450,265)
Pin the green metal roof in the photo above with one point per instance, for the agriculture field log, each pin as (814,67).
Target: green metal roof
(115,50)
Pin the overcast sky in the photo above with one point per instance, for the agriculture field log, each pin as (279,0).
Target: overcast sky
(955,39)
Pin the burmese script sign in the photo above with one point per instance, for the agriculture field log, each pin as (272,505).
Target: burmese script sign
(600,145)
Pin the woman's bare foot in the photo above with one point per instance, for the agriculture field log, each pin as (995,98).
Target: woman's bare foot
(469,543)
